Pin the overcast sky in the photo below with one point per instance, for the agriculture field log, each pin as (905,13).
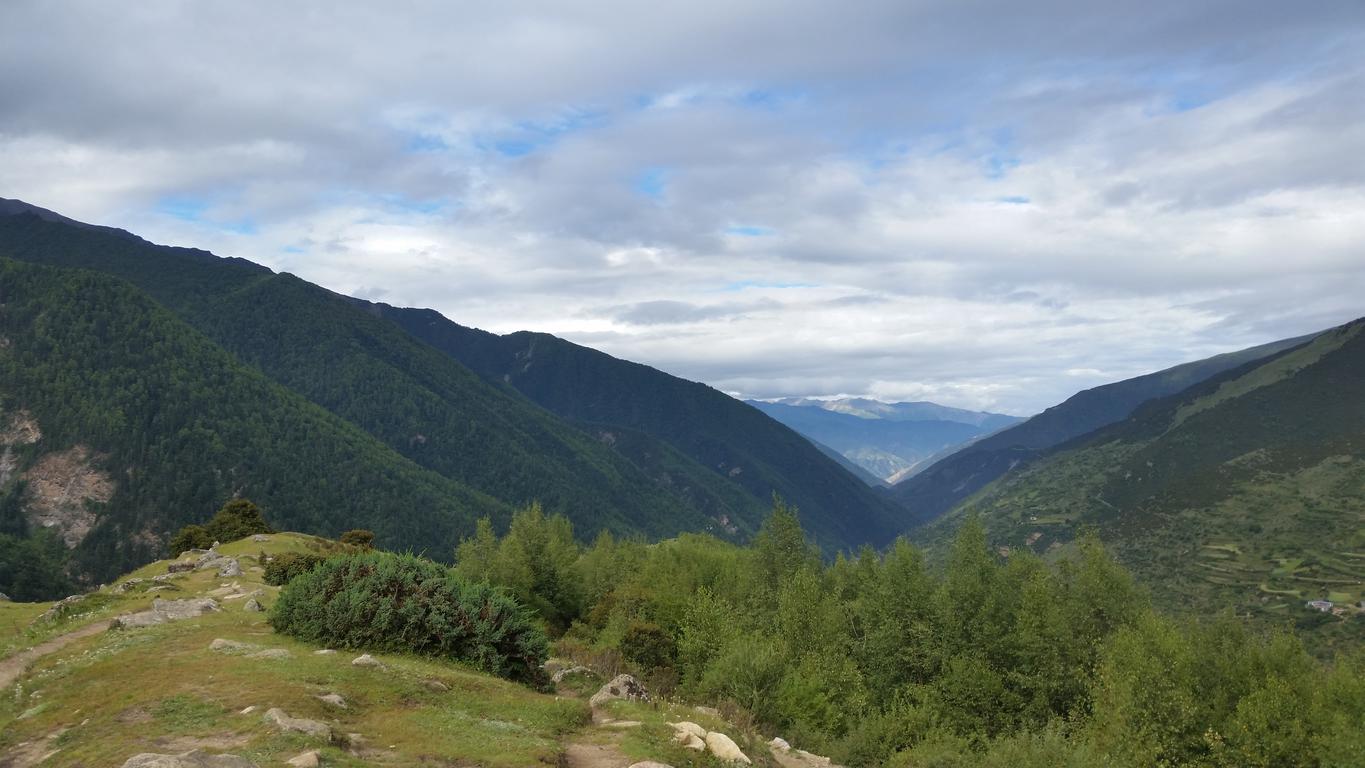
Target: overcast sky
(988,205)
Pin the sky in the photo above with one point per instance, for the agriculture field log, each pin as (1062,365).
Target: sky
(989,205)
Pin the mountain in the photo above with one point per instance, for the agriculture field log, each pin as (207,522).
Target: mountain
(424,405)
(1242,491)
(948,481)
(733,440)
(120,423)
(921,410)
(882,438)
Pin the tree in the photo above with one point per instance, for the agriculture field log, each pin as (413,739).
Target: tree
(359,538)
(781,548)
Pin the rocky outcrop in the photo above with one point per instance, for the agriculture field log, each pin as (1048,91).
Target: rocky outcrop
(231,568)
(281,719)
(366,660)
(166,610)
(253,605)
(309,759)
(194,759)
(725,748)
(621,687)
(61,487)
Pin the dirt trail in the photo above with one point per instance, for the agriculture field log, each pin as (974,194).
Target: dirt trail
(12,667)
(603,751)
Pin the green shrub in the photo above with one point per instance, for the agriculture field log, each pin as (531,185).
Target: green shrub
(285,566)
(648,645)
(380,601)
(359,538)
(237,519)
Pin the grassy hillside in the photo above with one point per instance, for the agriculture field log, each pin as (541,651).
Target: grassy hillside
(954,478)
(1242,492)
(715,430)
(138,424)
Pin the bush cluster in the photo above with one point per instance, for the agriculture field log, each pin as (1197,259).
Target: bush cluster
(379,601)
(237,519)
(282,568)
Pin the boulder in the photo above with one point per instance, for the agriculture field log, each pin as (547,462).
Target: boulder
(690,740)
(260,538)
(725,748)
(4,598)
(59,608)
(123,587)
(230,568)
(174,610)
(194,759)
(284,722)
(334,699)
(779,744)
(621,687)
(179,567)
(814,759)
(366,660)
(650,764)
(434,685)
(689,727)
(271,653)
(253,606)
(231,646)
(309,759)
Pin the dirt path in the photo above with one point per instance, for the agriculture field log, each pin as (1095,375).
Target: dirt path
(12,667)
(602,751)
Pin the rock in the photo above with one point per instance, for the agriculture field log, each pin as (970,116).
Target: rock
(725,748)
(309,759)
(650,764)
(59,608)
(4,598)
(366,660)
(194,759)
(230,568)
(185,609)
(689,740)
(178,568)
(280,718)
(260,537)
(814,759)
(689,727)
(123,587)
(434,685)
(621,687)
(779,744)
(712,711)
(248,710)
(334,699)
(560,674)
(231,646)
(271,653)
(324,652)
(622,724)
(253,605)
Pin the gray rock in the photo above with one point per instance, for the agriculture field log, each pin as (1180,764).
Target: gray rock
(779,744)
(230,568)
(232,646)
(559,675)
(431,684)
(253,605)
(324,652)
(309,759)
(366,660)
(333,699)
(59,608)
(271,653)
(650,764)
(123,587)
(283,721)
(621,687)
(194,759)
(725,748)
(260,537)
(185,609)
(4,598)
(178,568)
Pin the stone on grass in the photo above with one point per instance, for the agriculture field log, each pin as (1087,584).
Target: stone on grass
(309,759)
(230,568)
(689,727)
(334,699)
(178,568)
(4,598)
(253,606)
(231,646)
(725,748)
(712,711)
(248,710)
(560,674)
(165,610)
(434,685)
(260,537)
(323,652)
(779,744)
(123,587)
(624,687)
(271,653)
(650,764)
(366,660)
(193,759)
(302,725)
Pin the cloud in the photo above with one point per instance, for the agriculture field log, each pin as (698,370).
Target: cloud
(984,204)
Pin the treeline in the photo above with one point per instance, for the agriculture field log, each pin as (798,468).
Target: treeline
(879,659)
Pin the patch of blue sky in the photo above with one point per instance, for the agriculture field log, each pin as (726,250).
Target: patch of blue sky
(245,226)
(407,204)
(751,230)
(293,249)
(744,285)
(183,208)
(425,142)
(652,182)
(1013,200)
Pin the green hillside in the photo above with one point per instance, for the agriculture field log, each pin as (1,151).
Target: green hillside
(947,482)
(1242,492)
(718,432)
(119,423)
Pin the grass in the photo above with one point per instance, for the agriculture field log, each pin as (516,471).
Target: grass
(160,688)
(653,740)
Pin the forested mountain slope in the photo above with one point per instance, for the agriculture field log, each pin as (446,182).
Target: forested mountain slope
(1243,491)
(119,423)
(725,435)
(952,479)
(421,403)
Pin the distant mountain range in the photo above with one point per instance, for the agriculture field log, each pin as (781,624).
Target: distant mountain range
(889,441)
(1243,491)
(398,420)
